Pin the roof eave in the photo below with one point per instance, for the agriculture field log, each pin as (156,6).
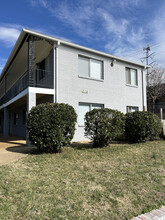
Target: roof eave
(24,31)
(22,34)
(85,48)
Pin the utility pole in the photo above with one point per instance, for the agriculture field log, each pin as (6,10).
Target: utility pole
(147,49)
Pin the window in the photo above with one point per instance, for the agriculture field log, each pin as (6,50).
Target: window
(132,109)
(84,108)
(131,76)
(90,68)
(15,119)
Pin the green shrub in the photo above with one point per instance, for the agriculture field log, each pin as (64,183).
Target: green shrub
(103,125)
(142,126)
(51,125)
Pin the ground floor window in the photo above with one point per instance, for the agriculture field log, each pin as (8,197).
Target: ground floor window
(132,109)
(84,108)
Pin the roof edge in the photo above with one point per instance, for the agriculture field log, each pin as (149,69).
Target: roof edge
(22,33)
(84,48)
(28,31)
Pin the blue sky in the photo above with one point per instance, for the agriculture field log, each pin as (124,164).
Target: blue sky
(118,27)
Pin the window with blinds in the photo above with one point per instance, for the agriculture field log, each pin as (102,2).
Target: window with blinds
(90,68)
(131,76)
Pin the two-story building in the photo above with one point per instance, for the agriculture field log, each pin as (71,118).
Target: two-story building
(46,69)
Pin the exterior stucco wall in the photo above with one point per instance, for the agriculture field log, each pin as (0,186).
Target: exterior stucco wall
(112,91)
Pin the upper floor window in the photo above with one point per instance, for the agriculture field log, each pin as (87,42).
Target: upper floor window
(89,67)
(131,76)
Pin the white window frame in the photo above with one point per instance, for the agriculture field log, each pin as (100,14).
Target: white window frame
(90,59)
(130,108)
(90,108)
(129,69)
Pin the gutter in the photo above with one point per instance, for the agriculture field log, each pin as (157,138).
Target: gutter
(56,70)
(27,31)
(83,48)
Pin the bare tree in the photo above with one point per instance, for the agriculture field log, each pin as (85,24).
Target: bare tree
(156,85)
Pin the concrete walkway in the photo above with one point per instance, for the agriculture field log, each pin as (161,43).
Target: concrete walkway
(12,149)
(157,214)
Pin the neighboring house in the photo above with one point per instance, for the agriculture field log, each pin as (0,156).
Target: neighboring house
(46,69)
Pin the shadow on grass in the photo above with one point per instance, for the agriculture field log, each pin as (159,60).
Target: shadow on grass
(89,145)
(81,146)
(19,145)
(22,149)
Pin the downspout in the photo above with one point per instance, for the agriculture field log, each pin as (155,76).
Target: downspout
(56,71)
(144,107)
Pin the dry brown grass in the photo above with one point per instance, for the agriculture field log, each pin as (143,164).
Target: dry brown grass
(116,182)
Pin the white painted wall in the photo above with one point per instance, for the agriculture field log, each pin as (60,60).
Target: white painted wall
(112,91)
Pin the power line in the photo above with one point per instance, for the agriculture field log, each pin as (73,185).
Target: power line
(138,51)
(160,52)
(155,45)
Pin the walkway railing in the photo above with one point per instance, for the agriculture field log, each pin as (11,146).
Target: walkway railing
(43,79)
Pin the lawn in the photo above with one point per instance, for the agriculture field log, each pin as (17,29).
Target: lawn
(116,182)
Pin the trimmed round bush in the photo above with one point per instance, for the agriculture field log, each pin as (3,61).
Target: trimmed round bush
(104,125)
(142,126)
(51,126)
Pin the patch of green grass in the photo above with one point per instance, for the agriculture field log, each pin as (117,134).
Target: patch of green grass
(116,182)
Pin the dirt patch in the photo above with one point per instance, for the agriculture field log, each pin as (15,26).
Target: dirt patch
(12,149)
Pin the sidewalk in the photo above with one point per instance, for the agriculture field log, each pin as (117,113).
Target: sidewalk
(157,214)
(12,149)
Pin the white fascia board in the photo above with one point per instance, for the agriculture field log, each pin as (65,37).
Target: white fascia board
(26,91)
(41,90)
(59,41)
(20,95)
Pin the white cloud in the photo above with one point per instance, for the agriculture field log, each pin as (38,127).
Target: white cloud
(80,19)
(38,2)
(9,34)
(113,23)
(90,21)
(157,32)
